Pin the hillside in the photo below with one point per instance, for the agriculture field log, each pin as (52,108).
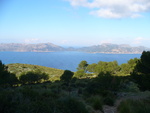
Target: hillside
(20,47)
(113,48)
(17,69)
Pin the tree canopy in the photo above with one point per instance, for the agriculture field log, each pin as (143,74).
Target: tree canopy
(83,65)
(67,76)
(141,72)
(6,78)
(33,77)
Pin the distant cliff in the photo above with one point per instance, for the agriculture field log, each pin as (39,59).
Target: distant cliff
(113,48)
(41,47)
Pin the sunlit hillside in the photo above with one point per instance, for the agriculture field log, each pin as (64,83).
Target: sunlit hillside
(18,69)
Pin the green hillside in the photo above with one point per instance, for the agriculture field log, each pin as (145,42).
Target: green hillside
(18,69)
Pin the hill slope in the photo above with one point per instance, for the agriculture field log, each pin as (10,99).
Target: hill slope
(17,69)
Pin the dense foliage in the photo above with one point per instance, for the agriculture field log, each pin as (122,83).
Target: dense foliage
(38,99)
(33,77)
(6,78)
(67,76)
(113,68)
(141,73)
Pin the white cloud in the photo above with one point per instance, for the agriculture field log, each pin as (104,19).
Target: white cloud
(114,8)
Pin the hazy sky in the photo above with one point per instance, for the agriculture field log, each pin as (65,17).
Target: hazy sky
(75,22)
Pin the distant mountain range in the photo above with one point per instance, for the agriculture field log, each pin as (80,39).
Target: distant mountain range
(41,47)
(49,47)
(114,48)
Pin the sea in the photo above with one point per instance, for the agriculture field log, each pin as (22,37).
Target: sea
(68,60)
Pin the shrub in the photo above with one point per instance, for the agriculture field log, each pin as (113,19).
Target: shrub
(33,77)
(71,105)
(134,106)
(96,102)
(109,100)
(129,86)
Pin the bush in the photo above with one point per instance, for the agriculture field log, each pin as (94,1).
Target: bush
(134,106)
(33,77)
(130,86)
(109,101)
(71,105)
(96,102)
(6,102)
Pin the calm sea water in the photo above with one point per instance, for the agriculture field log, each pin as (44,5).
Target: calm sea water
(62,60)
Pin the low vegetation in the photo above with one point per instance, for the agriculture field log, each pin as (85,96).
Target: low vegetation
(18,69)
(134,106)
(29,88)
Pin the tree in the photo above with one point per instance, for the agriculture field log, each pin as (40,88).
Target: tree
(143,65)
(45,76)
(6,78)
(132,63)
(83,65)
(13,80)
(33,77)
(67,76)
(91,67)
(23,78)
(128,68)
(4,74)
(113,67)
(141,73)
(80,73)
(101,67)
(104,67)
(125,69)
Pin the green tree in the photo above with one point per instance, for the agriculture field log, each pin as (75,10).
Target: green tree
(104,67)
(45,76)
(12,80)
(128,68)
(143,65)
(4,74)
(141,73)
(67,76)
(113,67)
(83,65)
(6,78)
(91,67)
(23,78)
(101,67)
(124,69)
(80,73)
(33,77)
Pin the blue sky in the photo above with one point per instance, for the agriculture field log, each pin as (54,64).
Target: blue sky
(75,22)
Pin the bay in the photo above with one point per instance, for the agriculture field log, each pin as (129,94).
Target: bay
(62,60)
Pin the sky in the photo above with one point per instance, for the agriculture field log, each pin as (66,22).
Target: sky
(75,23)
